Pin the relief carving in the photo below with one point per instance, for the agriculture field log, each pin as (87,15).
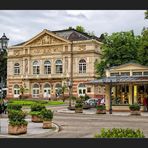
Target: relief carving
(82,47)
(45,39)
(16,52)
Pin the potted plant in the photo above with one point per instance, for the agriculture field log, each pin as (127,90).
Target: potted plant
(135,109)
(17,123)
(101,109)
(36,109)
(47,116)
(79,106)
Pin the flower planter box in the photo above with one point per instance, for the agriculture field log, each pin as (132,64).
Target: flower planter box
(78,110)
(47,124)
(135,112)
(36,119)
(17,130)
(101,112)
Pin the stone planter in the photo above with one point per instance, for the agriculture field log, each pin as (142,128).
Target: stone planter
(36,119)
(101,112)
(17,130)
(135,112)
(47,124)
(78,110)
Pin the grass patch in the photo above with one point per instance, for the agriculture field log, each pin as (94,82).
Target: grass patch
(31,102)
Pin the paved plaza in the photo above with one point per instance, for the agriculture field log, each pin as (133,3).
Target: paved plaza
(85,125)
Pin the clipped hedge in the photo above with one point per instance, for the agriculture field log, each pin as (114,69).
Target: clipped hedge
(120,133)
(12,106)
(134,107)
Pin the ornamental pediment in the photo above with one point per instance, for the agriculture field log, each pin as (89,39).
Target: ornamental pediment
(45,38)
(130,66)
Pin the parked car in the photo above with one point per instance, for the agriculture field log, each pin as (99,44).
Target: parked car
(92,102)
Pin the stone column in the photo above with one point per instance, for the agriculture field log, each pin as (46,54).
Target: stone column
(135,93)
(130,93)
(107,96)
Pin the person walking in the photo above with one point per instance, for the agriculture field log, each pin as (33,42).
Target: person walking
(145,104)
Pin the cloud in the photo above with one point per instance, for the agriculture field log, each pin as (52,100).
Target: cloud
(21,25)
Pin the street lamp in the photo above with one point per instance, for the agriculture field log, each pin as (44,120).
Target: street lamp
(69,84)
(3,46)
(110,109)
(3,42)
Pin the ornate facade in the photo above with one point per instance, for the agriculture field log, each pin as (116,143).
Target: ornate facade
(45,63)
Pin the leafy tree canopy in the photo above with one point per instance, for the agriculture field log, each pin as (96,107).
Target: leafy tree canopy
(118,48)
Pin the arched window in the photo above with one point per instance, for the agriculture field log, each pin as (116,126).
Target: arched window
(82,66)
(58,89)
(35,91)
(81,89)
(36,67)
(59,68)
(16,68)
(16,91)
(47,67)
(47,90)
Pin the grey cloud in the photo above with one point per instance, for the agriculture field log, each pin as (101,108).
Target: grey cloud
(21,25)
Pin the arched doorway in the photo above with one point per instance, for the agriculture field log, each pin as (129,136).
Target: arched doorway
(81,89)
(16,91)
(35,91)
(58,89)
(47,90)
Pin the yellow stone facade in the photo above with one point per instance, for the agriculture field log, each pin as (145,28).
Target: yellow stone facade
(49,46)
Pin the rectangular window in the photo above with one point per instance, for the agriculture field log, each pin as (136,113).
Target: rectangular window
(16,71)
(114,74)
(58,68)
(137,73)
(88,89)
(145,73)
(125,73)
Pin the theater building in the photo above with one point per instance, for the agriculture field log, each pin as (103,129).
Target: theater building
(125,84)
(47,61)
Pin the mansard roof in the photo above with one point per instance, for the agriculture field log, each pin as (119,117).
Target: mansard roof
(70,34)
(74,35)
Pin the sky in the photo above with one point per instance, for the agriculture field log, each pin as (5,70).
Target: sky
(21,25)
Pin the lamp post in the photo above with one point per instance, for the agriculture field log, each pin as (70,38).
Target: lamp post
(69,84)
(3,53)
(110,109)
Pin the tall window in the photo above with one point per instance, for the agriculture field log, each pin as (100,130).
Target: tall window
(59,68)
(36,67)
(16,68)
(35,91)
(47,67)
(82,66)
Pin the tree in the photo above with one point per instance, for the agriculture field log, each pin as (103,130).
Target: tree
(143,49)
(118,48)
(146,14)
(80,29)
(3,64)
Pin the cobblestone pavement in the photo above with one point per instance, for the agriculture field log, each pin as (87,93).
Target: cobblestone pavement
(87,125)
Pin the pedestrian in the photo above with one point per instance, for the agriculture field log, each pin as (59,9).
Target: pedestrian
(102,101)
(5,102)
(145,104)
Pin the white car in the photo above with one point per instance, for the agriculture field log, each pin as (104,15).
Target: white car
(92,102)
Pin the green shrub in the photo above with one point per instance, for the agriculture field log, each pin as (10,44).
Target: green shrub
(17,117)
(101,107)
(79,104)
(134,107)
(120,133)
(47,114)
(12,106)
(37,107)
